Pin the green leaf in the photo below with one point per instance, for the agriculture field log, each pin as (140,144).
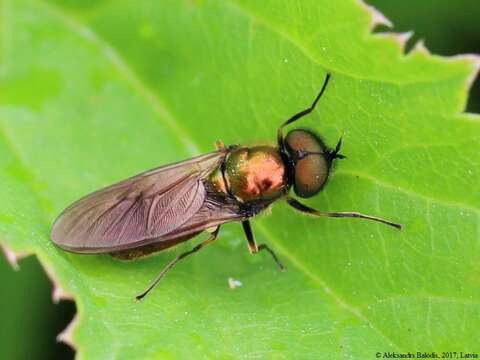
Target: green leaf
(93,92)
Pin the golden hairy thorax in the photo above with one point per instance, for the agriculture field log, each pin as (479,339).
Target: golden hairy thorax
(252,173)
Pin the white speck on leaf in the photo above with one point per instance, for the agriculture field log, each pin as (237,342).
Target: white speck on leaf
(233,283)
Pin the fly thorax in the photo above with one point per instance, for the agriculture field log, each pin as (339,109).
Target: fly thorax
(217,181)
(255,173)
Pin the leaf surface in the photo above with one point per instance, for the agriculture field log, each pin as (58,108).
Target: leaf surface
(95,92)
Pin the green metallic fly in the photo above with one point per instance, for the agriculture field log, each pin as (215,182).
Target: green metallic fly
(163,207)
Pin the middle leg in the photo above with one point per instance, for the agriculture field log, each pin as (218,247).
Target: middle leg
(253,248)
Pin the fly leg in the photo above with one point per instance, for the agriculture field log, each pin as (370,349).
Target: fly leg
(172,263)
(280,139)
(253,248)
(308,210)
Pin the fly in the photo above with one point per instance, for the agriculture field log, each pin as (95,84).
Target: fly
(163,207)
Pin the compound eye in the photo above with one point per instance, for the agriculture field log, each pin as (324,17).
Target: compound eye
(311,171)
(300,139)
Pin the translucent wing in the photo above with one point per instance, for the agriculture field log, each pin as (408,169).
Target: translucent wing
(145,208)
(211,214)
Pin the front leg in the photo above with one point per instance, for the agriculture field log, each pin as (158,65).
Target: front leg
(253,248)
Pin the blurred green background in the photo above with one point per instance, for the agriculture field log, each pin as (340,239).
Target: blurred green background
(30,321)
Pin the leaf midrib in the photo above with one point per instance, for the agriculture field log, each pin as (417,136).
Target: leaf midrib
(125,70)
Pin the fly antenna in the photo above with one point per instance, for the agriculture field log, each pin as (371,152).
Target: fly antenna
(280,138)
